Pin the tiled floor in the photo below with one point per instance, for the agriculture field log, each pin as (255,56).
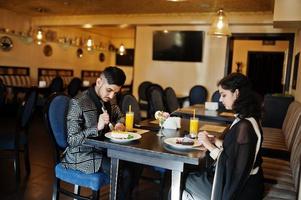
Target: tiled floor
(38,185)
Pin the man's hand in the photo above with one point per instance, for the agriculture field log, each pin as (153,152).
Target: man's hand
(119,127)
(103,120)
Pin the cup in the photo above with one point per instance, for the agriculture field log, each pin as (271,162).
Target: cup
(193,127)
(129,121)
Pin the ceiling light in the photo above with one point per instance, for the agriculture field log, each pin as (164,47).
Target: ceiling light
(220,25)
(87,26)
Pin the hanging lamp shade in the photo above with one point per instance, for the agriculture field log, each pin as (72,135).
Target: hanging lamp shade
(220,25)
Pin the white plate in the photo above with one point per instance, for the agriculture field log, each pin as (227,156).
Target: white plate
(136,136)
(173,142)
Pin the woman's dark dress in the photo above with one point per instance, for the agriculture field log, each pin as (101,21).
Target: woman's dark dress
(233,180)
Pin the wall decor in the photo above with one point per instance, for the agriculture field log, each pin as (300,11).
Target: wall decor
(295,73)
(102,57)
(47,50)
(6,43)
(79,53)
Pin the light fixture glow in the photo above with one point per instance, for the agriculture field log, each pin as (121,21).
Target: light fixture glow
(89,44)
(121,50)
(87,26)
(220,25)
(39,36)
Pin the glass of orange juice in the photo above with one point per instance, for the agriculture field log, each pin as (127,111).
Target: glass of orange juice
(129,121)
(193,127)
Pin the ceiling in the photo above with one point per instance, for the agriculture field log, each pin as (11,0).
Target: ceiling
(88,7)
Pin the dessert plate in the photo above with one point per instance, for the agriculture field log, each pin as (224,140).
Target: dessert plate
(133,136)
(173,143)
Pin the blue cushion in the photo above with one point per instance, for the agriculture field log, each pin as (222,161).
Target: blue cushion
(57,118)
(160,170)
(94,181)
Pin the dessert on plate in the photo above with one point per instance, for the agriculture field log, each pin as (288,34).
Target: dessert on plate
(119,134)
(185,141)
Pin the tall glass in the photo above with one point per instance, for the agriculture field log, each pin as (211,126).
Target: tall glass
(161,122)
(193,127)
(129,121)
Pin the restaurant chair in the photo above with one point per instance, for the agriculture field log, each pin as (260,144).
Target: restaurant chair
(142,95)
(74,87)
(127,100)
(17,142)
(2,94)
(274,117)
(55,117)
(56,85)
(171,100)
(215,98)
(155,100)
(198,95)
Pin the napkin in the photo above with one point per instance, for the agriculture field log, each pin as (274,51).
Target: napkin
(211,105)
(172,123)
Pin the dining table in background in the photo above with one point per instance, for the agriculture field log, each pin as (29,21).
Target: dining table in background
(151,150)
(219,116)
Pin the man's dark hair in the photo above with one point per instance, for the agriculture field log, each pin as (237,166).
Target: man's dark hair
(114,75)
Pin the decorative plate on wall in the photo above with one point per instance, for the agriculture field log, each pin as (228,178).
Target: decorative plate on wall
(79,53)
(6,43)
(102,57)
(47,50)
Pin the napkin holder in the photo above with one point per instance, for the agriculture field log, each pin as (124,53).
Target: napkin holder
(172,123)
(211,105)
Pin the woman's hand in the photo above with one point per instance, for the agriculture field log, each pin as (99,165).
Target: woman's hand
(206,140)
(103,120)
(119,127)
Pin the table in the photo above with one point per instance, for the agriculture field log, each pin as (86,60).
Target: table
(225,117)
(150,150)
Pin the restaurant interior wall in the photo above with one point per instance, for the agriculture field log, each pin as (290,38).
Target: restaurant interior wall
(127,39)
(63,56)
(241,48)
(182,75)
(179,75)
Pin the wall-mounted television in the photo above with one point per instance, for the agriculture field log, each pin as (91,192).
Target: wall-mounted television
(186,46)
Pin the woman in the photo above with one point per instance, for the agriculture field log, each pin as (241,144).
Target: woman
(238,172)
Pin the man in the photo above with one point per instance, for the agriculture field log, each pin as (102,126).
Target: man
(92,113)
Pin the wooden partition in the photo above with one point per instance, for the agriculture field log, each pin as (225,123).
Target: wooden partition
(15,76)
(89,77)
(47,74)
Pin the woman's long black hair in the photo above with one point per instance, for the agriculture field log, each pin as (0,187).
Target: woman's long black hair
(248,102)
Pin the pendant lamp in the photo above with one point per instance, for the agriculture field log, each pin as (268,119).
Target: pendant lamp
(220,25)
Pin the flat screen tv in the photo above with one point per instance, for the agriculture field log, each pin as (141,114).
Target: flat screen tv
(186,46)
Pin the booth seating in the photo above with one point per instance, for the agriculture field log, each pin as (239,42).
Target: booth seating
(282,178)
(282,156)
(48,74)
(274,117)
(281,140)
(16,80)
